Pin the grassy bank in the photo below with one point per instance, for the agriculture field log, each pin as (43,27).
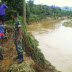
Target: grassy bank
(68,24)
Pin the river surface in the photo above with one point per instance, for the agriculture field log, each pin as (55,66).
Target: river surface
(55,41)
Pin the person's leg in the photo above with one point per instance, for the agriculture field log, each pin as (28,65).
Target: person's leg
(3,18)
(2,36)
(1,54)
(15,42)
(20,50)
(0,17)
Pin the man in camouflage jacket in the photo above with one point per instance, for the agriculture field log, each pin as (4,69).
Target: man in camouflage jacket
(17,37)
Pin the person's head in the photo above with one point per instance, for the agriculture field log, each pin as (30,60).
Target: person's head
(0,2)
(14,15)
(0,22)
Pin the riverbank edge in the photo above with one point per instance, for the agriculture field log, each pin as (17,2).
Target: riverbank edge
(68,24)
(37,66)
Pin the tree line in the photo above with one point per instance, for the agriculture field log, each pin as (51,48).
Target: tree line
(34,12)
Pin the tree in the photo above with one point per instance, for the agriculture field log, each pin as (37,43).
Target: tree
(15,5)
(30,4)
(28,13)
(66,8)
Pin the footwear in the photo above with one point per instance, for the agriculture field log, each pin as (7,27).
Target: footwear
(21,59)
(16,58)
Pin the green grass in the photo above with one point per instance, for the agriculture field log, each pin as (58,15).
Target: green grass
(34,17)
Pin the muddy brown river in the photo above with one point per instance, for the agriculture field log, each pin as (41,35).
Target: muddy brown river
(55,41)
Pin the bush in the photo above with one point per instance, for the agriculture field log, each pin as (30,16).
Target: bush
(31,47)
(34,17)
(9,23)
(8,14)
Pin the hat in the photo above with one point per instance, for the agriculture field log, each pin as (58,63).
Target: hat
(0,1)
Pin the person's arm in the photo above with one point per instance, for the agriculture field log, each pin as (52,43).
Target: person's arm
(19,34)
(6,7)
(3,26)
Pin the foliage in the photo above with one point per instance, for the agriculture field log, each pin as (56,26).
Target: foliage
(30,3)
(8,14)
(66,13)
(28,13)
(10,23)
(34,17)
(42,11)
(31,47)
(68,24)
(34,12)
(15,5)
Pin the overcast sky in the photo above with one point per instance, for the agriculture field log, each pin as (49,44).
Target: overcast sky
(60,3)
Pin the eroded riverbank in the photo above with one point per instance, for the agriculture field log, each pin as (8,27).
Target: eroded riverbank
(55,42)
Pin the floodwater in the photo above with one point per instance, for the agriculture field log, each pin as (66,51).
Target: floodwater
(55,41)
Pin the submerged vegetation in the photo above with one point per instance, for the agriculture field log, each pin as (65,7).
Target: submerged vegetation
(68,24)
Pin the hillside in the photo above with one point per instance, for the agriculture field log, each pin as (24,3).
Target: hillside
(69,8)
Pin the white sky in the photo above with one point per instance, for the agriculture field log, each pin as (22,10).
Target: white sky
(60,3)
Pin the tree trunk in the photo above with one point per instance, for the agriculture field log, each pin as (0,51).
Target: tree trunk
(30,44)
(24,18)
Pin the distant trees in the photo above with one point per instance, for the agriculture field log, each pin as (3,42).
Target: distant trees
(30,3)
(35,12)
(66,7)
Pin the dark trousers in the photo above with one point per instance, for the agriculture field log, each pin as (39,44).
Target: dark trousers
(3,18)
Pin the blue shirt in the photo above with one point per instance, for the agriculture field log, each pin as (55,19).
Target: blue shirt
(2,28)
(2,9)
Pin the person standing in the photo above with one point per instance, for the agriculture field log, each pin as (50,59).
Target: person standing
(17,37)
(3,7)
(2,27)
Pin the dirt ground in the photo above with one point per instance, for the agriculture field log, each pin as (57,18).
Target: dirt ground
(9,53)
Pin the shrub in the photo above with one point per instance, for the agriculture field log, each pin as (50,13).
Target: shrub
(34,17)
